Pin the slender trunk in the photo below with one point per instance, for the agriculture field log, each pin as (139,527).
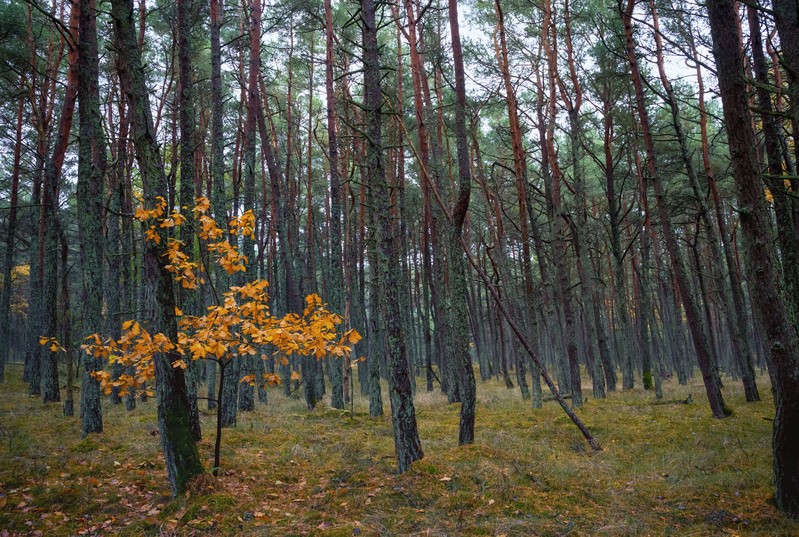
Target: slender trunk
(91,172)
(740,344)
(246,400)
(520,169)
(403,417)
(335,284)
(460,313)
(786,18)
(66,331)
(218,201)
(188,299)
(710,373)
(8,265)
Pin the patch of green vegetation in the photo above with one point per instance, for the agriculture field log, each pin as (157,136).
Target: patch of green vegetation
(87,445)
(219,502)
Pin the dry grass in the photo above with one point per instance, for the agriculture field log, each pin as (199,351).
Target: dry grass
(665,470)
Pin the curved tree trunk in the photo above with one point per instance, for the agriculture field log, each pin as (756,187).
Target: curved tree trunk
(458,298)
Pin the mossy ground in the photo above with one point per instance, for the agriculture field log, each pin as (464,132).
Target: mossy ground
(666,469)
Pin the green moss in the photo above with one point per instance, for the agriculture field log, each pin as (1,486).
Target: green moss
(87,445)
(61,499)
(219,503)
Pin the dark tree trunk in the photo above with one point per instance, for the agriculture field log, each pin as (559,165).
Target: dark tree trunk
(188,299)
(66,331)
(246,401)
(8,265)
(218,200)
(335,284)
(91,171)
(403,416)
(458,298)
(786,17)
(174,419)
(782,341)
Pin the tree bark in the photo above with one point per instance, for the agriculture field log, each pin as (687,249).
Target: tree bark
(91,171)
(403,416)
(458,298)
(174,420)
(782,340)
(335,285)
(188,299)
(8,257)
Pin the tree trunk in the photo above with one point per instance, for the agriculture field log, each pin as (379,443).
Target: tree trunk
(174,420)
(786,18)
(406,438)
(335,284)
(8,258)
(91,172)
(736,325)
(459,290)
(710,373)
(218,200)
(188,299)
(246,401)
(783,345)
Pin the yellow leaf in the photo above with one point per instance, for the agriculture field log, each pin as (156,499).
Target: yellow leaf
(295,376)
(353,336)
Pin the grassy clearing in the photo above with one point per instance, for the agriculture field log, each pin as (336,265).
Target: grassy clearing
(665,470)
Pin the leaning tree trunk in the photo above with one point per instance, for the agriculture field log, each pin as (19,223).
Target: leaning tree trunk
(710,373)
(732,317)
(180,452)
(520,170)
(782,349)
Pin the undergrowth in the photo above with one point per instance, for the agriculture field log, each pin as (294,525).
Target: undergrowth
(665,469)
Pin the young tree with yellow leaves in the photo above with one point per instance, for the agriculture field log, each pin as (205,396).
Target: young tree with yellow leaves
(236,327)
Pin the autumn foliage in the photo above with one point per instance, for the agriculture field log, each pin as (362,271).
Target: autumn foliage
(239,324)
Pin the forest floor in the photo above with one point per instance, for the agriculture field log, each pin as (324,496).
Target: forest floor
(666,469)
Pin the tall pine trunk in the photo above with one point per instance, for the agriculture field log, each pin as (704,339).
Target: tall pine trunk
(91,171)
(403,416)
(782,345)
(174,420)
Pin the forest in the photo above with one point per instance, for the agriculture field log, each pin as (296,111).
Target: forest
(421,267)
